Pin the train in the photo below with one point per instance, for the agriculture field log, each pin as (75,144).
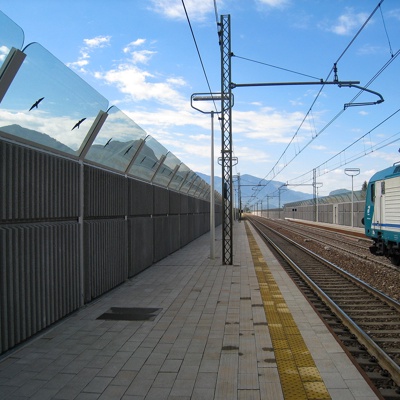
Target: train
(382,213)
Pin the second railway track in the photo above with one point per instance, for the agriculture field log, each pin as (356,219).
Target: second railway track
(364,319)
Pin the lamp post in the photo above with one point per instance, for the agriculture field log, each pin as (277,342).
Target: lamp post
(209,97)
(352,172)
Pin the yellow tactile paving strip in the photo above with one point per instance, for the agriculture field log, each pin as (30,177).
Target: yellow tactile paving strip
(299,376)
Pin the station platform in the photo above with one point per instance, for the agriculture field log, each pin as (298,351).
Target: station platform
(355,231)
(190,328)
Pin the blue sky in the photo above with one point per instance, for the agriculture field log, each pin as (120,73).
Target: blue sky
(141,56)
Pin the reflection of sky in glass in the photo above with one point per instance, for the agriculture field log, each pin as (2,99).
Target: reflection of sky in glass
(147,161)
(117,142)
(197,187)
(11,35)
(179,177)
(164,174)
(49,104)
(194,185)
(188,182)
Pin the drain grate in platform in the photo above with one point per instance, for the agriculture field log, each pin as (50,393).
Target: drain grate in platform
(130,314)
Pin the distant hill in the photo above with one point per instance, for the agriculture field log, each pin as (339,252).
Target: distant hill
(115,154)
(36,137)
(339,191)
(266,188)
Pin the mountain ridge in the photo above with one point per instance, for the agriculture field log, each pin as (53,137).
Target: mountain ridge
(268,193)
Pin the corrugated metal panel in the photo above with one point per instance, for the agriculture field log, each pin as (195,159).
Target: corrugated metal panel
(141,198)
(106,194)
(174,233)
(141,242)
(40,236)
(105,255)
(161,201)
(174,203)
(162,244)
(36,185)
(39,271)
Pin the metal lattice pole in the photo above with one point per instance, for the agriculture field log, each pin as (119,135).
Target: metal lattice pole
(315,193)
(226,125)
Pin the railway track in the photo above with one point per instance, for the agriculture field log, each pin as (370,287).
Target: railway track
(353,246)
(364,320)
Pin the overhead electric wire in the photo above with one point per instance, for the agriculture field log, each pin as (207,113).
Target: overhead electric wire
(274,66)
(359,31)
(216,12)
(352,144)
(387,36)
(336,117)
(358,156)
(313,103)
(198,51)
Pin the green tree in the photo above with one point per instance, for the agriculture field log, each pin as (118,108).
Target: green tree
(364,186)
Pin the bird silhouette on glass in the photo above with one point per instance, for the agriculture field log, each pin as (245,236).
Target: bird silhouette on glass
(35,105)
(109,140)
(78,124)
(128,149)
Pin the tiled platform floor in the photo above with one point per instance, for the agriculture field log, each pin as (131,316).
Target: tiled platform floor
(208,342)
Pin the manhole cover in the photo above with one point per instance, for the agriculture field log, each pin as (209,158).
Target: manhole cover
(130,314)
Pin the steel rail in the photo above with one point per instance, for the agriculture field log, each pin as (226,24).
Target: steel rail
(325,238)
(382,357)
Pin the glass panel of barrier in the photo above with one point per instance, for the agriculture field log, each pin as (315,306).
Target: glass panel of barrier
(179,177)
(188,182)
(200,188)
(148,159)
(194,186)
(165,173)
(117,142)
(11,35)
(48,104)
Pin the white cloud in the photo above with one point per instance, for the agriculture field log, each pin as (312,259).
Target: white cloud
(41,121)
(134,44)
(268,124)
(296,103)
(160,121)
(79,64)
(173,9)
(395,13)
(320,147)
(199,138)
(274,3)
(141,85)
(142,57)
(138,56)
(97,42)
(368,49)
(250,154)
(348,22)
(90,44)
(4,50)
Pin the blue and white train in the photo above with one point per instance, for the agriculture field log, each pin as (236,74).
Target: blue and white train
(382,213)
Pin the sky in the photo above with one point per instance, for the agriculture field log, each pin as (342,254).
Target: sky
(143,57)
